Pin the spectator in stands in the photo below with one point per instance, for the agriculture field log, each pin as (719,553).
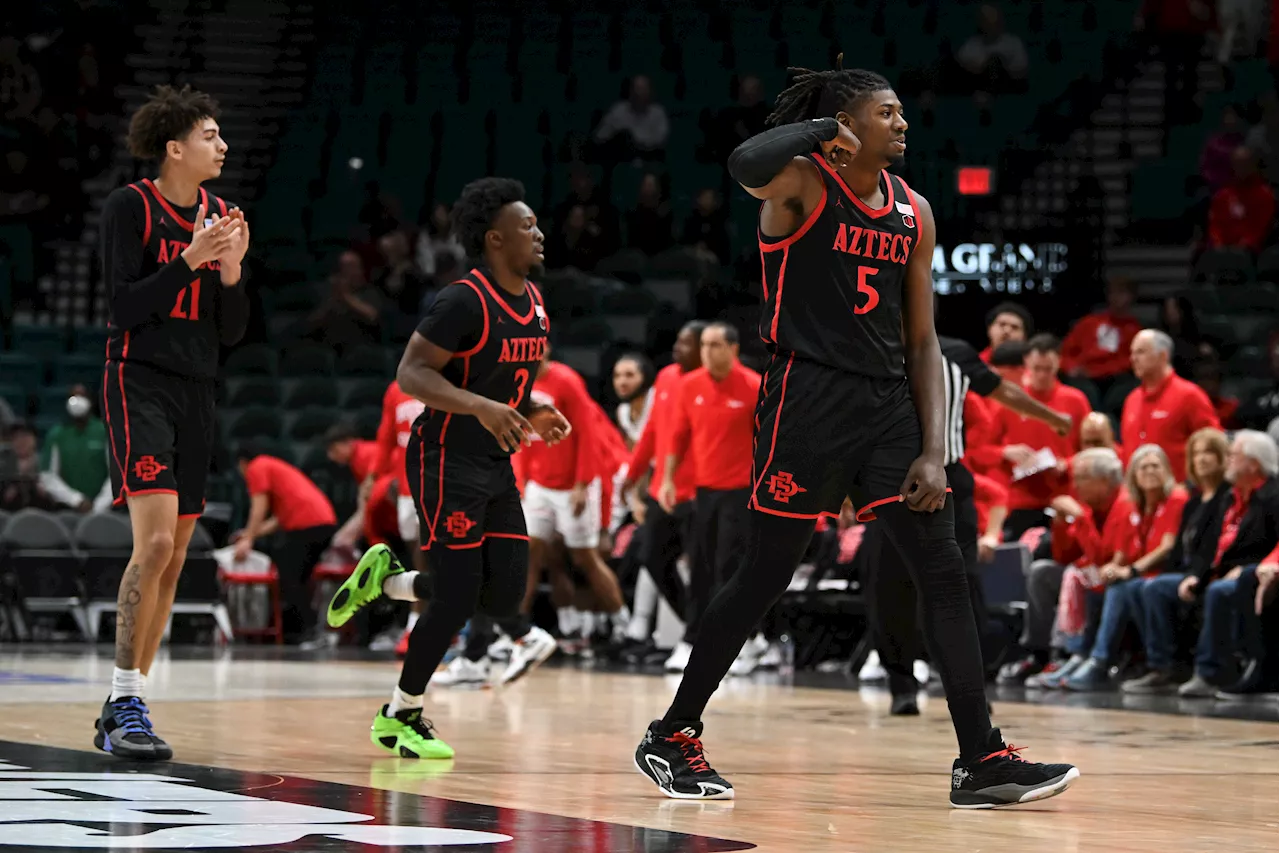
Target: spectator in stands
(1008,321)
(602,218)
(707,230)
(379,212)
(344,447)
(1164,409)
(650,224)
(1255,599)
(1097,347)
(1247,532)
(991,499)
(284,500)
(1096,431)
(983,454)
(21,483)
(20,89)
(1215,156)
(439,254)
(1261,138)
(1082,538)
(994,60)
(1035,456)
(739,122)
(635,128)
(1242,213)
(1193,548)
(400,284)
(1178,321)
(1146,540)
(75,452)
(574,244)
(352,311)
(1177,29)
(1260,408)
(1207,374)
(633,386)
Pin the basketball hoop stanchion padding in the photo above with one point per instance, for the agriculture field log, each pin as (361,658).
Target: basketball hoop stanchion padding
(867,514)
(271,580)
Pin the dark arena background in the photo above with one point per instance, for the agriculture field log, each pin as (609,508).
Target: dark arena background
(1103,173)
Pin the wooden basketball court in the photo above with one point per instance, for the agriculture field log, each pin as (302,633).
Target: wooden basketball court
(815,769)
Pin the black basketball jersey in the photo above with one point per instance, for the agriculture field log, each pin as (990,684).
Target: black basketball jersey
(498,341)
(833,289)
(162,313)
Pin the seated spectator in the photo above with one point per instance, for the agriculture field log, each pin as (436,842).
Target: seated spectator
(1193,546)
(1207,374)
(1034,455)
(573,245)
(1242,213)
(352,312)
(983,454)
(994,60)
(400,284)
(1008,321)
(1143,546)
(1097,347)
(1247,532)
(603,222)
(1260,408)
(736,124)
(649,225)
(707,229)
(634,128)
(1164,409)
(1215,156)
(375,519)
(1178,321)
(439,254)
(284,500)
(991,499)
(75,454)
(1096,431)
(1084,532)
(1255,600)
(22,483)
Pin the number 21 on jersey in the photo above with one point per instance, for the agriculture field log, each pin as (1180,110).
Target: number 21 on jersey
(181,313)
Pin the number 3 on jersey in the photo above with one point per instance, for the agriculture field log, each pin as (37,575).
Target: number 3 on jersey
(522,377)
(181,313)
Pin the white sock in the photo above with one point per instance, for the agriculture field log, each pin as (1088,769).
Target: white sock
(127,682)
(413,620)
(620,619)
(401,701)
(400,587)
(569,619)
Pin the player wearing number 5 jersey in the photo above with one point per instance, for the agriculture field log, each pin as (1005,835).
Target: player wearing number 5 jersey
(171,265)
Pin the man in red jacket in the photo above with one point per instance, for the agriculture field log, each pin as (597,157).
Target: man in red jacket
(1097,347)
(1034,455)
(1165,409)
(715,427)
(1241,213)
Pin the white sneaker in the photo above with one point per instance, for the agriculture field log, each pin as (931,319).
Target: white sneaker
(748,660)
(920,670)
(679,657)
(462,672)
(528,652)
(772,657)
(500,649)
(872,670)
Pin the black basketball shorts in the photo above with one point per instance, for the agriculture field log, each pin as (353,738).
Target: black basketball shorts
(161,430)
(462,499)
(823,434)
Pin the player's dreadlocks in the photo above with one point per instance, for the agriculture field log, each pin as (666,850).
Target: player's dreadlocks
(818,94)
(168,114)
(478,206)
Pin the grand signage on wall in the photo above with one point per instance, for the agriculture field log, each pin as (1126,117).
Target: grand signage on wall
(1011,268)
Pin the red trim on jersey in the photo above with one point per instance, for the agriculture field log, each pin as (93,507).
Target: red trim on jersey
(191,514)
(124,407)
(146,206)
(439,500)
(888,190)
(464,546)
(422,483)
(915,212)
(222,207)
(806,515)
(777,297)
(133,494)
(164,203)
(466,374)
(773,441)
(865,514)
(106,412)
(484,334)
(506,536)
(523,321)
(764,278)
(800,232)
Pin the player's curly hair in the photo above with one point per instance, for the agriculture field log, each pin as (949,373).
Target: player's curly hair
(477,207)
(819,94)
(168,114)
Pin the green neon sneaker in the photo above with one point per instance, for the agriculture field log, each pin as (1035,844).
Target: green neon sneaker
(407,735)
(365,584)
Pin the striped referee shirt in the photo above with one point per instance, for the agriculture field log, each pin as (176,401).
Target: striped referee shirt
(962,371)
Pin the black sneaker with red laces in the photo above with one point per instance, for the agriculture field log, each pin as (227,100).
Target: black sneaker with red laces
(672,756)
(1002,778)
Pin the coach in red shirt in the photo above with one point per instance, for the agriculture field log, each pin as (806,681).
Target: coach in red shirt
(1034,456)
(715,426)
(284,501)
(1165,409)
(1097,346)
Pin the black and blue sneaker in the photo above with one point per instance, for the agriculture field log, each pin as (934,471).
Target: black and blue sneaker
(124,729)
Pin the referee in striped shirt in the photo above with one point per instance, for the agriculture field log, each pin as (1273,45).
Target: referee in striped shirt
(890,594)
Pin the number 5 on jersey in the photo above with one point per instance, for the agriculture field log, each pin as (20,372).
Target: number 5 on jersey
(873,296)
(181,313)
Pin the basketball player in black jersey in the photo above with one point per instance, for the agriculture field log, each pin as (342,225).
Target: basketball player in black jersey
(851,403)
(171,263)
(472,362)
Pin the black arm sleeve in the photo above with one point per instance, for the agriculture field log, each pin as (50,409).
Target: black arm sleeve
(758,161)
(134,299)
(982,379)
(455,321)
(233,311)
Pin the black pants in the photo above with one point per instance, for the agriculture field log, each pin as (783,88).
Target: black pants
(295,554)
(1022,520)
(720,521)
(665,537)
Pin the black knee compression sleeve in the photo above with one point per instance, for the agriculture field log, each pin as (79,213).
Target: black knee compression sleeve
(455,590)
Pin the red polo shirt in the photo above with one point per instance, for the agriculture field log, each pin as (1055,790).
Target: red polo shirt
(655,440)
(1142,533)
(1093,538)
(1008,427)
(1099,344)
(715,424)
(574,460)
(1231,522)
(399,411)
(296,502)
(1166,415)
